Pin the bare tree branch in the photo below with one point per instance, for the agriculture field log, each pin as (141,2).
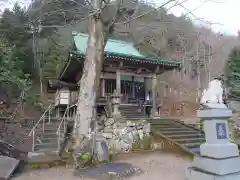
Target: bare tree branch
(147,13)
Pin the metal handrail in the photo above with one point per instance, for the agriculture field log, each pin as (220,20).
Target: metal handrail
(32,132)
(60,125)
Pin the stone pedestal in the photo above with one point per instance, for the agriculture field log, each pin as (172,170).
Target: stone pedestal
(219,159)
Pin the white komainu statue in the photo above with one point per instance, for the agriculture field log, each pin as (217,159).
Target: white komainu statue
(212,97)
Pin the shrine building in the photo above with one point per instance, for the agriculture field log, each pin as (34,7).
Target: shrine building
(125,70)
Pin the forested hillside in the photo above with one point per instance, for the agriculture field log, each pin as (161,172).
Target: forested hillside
(35,43)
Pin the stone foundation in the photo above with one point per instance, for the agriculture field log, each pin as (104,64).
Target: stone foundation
(124,136)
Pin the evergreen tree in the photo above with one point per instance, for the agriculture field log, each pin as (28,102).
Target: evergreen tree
(10,72)
(15,30)
(233,74)
(55,57)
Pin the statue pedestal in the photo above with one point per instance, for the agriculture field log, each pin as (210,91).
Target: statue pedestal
(219,159)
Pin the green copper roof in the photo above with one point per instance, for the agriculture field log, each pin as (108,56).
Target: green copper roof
(116,48)
(112,46)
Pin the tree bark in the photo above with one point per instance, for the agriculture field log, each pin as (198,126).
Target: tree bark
(90,80)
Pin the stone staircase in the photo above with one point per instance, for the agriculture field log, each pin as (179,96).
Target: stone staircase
(133,112)
(185,136)
(48,141)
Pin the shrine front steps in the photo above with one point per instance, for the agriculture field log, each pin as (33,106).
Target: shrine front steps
(184,137)
(132,112)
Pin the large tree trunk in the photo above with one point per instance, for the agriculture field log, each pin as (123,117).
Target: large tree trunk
(90,79)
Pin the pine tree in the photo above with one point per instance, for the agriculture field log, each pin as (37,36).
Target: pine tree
(233,74)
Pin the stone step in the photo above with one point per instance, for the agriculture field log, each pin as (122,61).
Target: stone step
(46,130)
(49,139)
(132,114)
(173,127)
(50,145)
(135,118)
(49,136)
(192,145)
(168,126)
(160,121)
(156,121)
(180,131)
(195,150)
(42,157)
(135,108)
(47,150)
(190,140)
(46,127)
(179,136)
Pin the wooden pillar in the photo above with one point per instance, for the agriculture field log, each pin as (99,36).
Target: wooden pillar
(103,87)
(154,84)
(118,82)
(145,88)
(133,88)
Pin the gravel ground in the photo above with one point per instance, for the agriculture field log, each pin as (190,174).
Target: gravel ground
(157,165)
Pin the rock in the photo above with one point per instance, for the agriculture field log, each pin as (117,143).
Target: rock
(147,127)
(99,127)
(101,150)
(130,123)
(122,147)
(109,122)
(122,135)
(119,125)
(108,129)
(102,119)
(107,135)
(118,117)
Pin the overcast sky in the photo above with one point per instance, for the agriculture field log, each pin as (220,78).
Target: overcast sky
(224,13)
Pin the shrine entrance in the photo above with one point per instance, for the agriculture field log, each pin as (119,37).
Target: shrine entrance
(132,88)
(135,91)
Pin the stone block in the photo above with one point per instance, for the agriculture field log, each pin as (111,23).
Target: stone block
(196,174)
(218,166)
(216,131)
(210,114)
(219,150)
(7,167)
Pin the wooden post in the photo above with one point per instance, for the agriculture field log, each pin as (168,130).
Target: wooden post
(103,87)
(154,83)
(145,88)
(118,82)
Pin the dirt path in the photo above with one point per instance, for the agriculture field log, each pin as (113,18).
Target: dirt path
(157,165)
